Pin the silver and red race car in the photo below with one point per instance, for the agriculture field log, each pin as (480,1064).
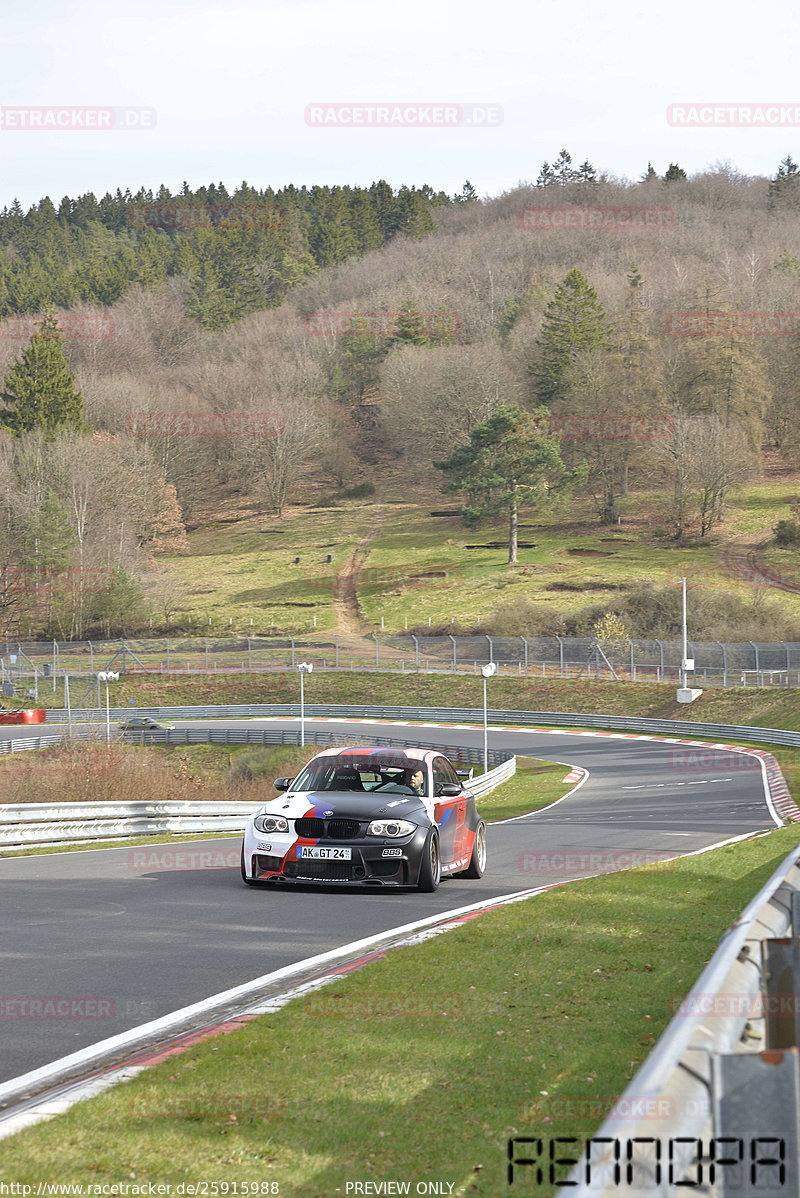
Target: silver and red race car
(371,816)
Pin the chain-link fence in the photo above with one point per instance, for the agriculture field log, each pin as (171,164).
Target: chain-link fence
(25,664)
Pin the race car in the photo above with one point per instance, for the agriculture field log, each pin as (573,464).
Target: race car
(368,816)
(144,723)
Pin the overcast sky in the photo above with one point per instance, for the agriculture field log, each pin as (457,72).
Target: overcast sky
(230,90)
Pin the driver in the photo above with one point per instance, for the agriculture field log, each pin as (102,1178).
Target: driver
(417,782)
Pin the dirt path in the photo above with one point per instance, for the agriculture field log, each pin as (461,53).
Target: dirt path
(345,589)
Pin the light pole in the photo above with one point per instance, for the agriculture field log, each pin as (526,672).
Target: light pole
(107,676)
(488,671)
(305,667)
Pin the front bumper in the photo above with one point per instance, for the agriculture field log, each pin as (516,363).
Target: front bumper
(374,862)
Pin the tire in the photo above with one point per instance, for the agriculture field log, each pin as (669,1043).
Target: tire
(477,864)
(247,881)
(430,871)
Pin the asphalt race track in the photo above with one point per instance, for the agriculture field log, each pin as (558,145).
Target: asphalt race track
(130,934)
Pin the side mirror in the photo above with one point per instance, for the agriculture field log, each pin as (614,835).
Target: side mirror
(449,790)
(282,783)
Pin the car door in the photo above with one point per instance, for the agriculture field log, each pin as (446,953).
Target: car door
(446,811)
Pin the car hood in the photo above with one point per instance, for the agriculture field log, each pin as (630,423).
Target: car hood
(347,804)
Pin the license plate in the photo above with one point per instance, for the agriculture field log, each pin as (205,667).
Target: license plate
(323,854)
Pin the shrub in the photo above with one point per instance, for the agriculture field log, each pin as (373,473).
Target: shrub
(786,533)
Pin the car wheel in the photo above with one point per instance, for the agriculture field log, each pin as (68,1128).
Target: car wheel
(430,872)
(477,863)
(247,881)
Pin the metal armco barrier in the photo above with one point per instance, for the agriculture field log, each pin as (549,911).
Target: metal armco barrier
(447,715)
(56,823)
(716,1106)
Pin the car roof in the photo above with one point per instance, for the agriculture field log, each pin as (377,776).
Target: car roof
(386,751)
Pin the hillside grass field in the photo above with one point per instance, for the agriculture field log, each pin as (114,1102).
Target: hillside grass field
(400,567)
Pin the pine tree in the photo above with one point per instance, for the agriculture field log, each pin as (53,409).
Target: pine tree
(650,174)
(510,460)
(785,187)
(574,322)
(39,390)
(674,174)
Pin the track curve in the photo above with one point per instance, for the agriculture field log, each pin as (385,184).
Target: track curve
(128,935)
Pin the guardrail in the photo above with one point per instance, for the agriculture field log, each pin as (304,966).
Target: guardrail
(716,1106)
(45,824)
(496,715)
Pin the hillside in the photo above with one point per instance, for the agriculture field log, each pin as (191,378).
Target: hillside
(643,314)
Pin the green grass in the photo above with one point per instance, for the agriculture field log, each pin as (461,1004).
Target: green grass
(529,1020)
(241,575)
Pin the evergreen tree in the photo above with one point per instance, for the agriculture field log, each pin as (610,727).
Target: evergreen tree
(410,325)
(510,460)
(574,322)
(785,187)
(650,174)
(468,194)
(674,174)
(39,390)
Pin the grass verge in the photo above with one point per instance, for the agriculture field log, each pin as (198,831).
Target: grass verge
(529,1020)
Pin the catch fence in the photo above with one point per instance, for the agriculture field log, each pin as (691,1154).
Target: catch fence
(26,666)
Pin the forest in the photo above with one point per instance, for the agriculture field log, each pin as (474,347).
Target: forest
(158,349)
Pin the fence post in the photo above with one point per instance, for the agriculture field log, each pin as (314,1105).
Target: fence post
(336,643)
(633,667)
(788,662)
(724,664)
(524,640)
(416,651)
(206,644)
(249,654)
(491,647)
(377,651)
(91,658)
(291,638)
(453,639)
(755,647)
(661,666)
(560,656)
(166,638)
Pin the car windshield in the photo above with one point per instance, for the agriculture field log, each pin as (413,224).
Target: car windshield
(389,775)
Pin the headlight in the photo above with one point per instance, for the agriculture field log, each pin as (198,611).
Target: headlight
(271,823)
(390,827)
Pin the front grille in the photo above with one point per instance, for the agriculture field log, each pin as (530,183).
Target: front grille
(332,871)
(327,829)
